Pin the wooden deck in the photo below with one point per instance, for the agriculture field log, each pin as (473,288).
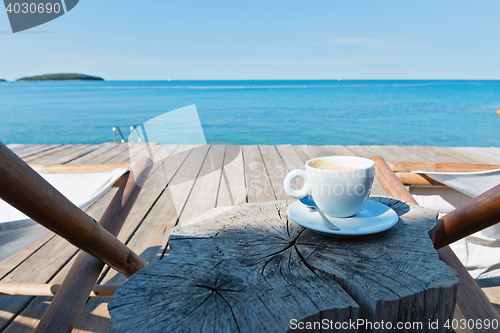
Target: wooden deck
(196,184)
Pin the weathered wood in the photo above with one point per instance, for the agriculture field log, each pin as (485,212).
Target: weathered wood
(440,167)
(90,158)
(340,150)
(481,212)
(29,150)
(408,178)
(76,287)
(390,182)
(253,270)
(275,168)
(232,189)
(203,195)
(65,155)
(43,289)
(55,254)
(472,301)
(257,180)
(151,236)
(98,321)
(26,190)
(469,294)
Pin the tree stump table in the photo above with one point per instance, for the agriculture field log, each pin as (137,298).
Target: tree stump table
(251,269)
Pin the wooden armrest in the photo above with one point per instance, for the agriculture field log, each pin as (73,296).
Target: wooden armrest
(26,190)
(440,167)
(70,299)
(478,214)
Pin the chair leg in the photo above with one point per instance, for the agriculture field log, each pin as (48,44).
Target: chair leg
(470,298)
(69,301)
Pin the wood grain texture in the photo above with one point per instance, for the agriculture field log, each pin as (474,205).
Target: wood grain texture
(480,213)
(390,182)
(258,184)
(408,178)
(276,169)
(440,167)
(232,188)
(26,190)
(253,270)
(204,193)
(48,289)
(148,227)
(472,302)
(68,303)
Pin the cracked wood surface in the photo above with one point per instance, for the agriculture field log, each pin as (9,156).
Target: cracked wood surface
(251,269)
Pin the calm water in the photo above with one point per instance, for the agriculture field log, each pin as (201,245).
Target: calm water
(441,113)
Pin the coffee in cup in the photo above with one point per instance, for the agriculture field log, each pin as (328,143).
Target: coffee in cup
(340,185)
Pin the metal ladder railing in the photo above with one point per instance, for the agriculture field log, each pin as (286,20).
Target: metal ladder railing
(132,129)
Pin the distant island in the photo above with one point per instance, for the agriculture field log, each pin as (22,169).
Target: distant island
(2,80)
(61,77)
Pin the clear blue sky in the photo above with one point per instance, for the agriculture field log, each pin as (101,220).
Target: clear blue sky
(188,40)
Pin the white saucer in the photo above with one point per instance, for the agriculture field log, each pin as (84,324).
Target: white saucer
(372,218)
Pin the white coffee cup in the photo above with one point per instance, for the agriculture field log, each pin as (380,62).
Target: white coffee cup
(338,193)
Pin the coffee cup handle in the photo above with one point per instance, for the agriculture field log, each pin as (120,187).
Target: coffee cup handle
(287,184)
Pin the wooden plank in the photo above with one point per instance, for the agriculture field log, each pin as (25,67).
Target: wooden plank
(115,154)
(39,156)
(203,195)
(390,182)
(389,153)
(471,300)
(42,265)
(75,154)
(63,156)
(276,169)
(123,155)
(257,181)
(445,153)
(458,315)
(149,240)
(24,266)
(290,157)
(26,190)
(484,156)
(71,297)
(360,151)
(34,149)
(427,156)
(340,150)
(103,149)
(304,152)
(409,154)
(30,316)
(232,189)
(262,295)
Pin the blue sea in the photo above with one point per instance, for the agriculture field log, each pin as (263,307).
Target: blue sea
(439,113)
